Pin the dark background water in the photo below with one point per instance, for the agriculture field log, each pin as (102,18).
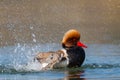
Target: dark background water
(45,21)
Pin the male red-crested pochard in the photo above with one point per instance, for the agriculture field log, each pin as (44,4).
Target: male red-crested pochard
(72,54)
(74,48)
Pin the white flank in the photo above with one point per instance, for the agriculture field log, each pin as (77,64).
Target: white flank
(66,55)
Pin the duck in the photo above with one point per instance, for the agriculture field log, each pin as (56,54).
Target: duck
(72,53)
(74,48)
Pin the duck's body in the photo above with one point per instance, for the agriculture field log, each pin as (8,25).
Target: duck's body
(76,56)
(74,48)
(72,54)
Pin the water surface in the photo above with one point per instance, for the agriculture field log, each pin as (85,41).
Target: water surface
(102,62)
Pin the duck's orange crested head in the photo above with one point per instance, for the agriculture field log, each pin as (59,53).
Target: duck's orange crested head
(71,38)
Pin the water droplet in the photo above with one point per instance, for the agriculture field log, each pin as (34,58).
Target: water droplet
(31,27)
(100,66)
(34,40)
(33,35)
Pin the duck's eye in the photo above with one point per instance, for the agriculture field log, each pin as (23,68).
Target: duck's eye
(70,41)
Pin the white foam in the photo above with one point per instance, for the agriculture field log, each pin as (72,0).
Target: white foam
(31,66)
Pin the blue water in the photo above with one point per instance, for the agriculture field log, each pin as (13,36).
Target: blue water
(102,63)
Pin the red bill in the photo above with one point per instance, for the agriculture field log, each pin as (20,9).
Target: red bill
(81,44)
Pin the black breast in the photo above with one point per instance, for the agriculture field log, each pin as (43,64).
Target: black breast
(76,56)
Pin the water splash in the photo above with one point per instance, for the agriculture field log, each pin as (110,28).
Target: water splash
(33,34)
(20,58)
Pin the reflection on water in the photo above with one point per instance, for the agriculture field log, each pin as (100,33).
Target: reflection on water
(74,74)
(41,21)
